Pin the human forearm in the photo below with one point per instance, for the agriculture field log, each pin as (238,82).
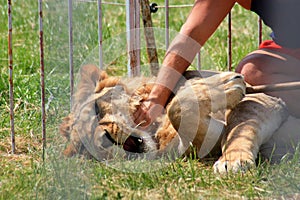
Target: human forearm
(177,60)
(165,83)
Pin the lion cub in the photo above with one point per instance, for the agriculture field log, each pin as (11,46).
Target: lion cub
(100,124)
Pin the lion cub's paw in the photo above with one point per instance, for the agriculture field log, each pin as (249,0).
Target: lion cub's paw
(226,90)
(235,88)
(240,163)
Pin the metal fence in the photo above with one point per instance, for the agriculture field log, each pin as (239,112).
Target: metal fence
(133,41)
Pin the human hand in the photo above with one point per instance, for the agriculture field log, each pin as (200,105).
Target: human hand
(146,113)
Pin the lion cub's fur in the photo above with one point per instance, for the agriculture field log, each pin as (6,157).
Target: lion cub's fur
(101,119)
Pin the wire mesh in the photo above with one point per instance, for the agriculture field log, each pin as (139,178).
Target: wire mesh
(133,37)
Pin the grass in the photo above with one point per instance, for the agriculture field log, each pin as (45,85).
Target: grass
(26,176)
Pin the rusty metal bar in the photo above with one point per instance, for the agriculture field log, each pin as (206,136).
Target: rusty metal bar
(167,34)
(177,6)
(133,37)
(71,65)
(11,84)
(128,34)
(273,87)
(229,44)
(199,60)
(100,39)
(259,31)
(103,2)
(149,36)
(122,4)
(137,34)
(42,70)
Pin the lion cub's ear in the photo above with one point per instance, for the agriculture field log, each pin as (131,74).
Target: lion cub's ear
(103,75)
(106,81)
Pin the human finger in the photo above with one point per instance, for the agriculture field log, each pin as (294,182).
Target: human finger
(141,116)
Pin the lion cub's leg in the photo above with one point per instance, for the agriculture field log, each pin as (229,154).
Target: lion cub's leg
(190,109)
(249,125)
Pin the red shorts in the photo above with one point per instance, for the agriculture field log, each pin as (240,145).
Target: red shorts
(270,44)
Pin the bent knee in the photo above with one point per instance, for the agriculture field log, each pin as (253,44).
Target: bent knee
(251,72)
(255,68)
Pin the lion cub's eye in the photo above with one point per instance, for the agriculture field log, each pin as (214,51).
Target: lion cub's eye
(140,140)
(109,137)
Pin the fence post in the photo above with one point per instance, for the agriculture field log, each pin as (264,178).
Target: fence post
(167,34)
(149,36)
(259,31)
(199,60)
(11,85)
(42,69)
(229,43)
(71,67)
(133,37)
(100,34)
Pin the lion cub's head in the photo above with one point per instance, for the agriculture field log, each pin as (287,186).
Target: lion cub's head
(100,124)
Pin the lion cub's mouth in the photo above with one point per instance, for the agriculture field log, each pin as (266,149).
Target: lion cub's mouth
(132,144)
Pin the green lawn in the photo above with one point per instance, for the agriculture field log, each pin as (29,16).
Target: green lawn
(26,176)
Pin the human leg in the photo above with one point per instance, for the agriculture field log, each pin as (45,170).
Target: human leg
(267,66)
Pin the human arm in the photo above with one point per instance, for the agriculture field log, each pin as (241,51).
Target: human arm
(204,18)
